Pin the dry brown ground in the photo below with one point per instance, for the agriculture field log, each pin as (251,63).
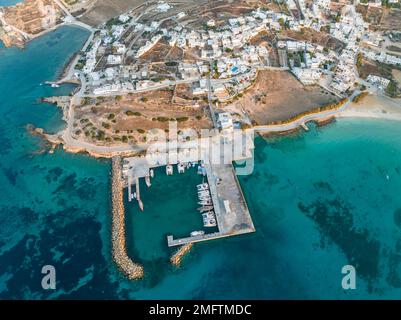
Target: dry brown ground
(265,38)
(104,10)
(157,53)
(397,76)
(375,68)
(222,10)
(146,111)
(278,95)
(262,38)
(313,36)
(393,48)
(391,19)
(30,17)
(370,14)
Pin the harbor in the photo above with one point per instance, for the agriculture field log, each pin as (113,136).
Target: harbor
(221,206)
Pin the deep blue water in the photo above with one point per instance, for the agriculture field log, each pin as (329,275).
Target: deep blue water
(319,200)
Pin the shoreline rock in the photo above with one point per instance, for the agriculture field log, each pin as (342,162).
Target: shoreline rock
(63,102)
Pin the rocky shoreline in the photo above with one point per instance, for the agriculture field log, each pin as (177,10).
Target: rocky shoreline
(62,102)
(10,41)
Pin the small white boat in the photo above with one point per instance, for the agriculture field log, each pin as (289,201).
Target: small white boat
(203,194)
(210,223)
(205,202)
(197,233)
(205,208)
(209,220)
(152,173)
(181,168)
(169,169)
(54,85)
(208,214)
(147,180)
(203,186)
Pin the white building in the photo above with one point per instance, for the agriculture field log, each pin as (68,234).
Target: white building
(181,15)
(225,121)
(149,45)
(377,81)
(114,59)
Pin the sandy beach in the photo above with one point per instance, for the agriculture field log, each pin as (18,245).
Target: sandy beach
(373,106)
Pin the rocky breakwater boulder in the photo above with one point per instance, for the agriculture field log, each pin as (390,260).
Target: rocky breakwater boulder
(127,266)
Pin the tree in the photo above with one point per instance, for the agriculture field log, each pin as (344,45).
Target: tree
(391,89)
(359,60)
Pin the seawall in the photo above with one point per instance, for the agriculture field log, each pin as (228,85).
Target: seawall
(125,264)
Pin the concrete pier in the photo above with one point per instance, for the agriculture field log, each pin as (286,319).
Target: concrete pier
(126,265)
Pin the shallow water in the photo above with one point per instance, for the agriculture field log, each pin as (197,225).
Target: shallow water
(319,200)
(6,3)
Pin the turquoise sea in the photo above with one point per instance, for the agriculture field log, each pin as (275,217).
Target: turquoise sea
(319,200)
(5,3)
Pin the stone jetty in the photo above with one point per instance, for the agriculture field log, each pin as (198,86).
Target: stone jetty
(127,266)
(176,258)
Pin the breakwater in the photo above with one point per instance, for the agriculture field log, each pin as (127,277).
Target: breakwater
(127,266)
(176,258)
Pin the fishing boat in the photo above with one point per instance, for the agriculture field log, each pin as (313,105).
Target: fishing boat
(205,208)
(169,169)
(202,170)
(197,233)
(204,194)
(206,202)
(181,168)
(202,186)
(208,214)
(209,223)
(209,219)
(147,180)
